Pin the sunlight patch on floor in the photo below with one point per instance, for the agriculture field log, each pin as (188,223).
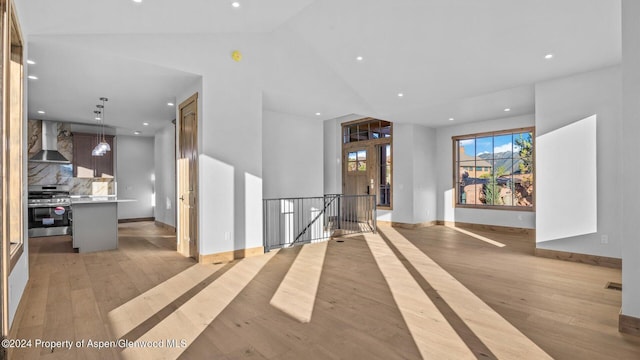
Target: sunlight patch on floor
(479,237)
(296,294)
(433,335)
(491,328)
(191,319)
(136,311)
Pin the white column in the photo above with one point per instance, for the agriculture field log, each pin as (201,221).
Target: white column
(630,169)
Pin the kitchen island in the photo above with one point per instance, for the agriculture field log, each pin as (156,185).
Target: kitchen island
(95,222)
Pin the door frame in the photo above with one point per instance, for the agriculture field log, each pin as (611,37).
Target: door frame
(12,156)
(182,248)
(372,146)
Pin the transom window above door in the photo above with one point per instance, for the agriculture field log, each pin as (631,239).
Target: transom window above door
(366,130)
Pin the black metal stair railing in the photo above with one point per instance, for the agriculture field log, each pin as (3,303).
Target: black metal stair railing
(292,221)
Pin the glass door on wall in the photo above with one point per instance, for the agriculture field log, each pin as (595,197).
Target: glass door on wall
(384,175)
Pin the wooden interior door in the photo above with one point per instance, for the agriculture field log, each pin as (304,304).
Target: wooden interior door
(187,165)
(358,179)
(357,170)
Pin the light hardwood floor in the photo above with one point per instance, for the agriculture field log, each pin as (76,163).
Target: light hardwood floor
(497,300)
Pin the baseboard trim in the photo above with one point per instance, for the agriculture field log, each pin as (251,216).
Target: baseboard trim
(120,221)
(228,256)
(580,258)
(629,325)
(166,226)
(530,233)
(406,225)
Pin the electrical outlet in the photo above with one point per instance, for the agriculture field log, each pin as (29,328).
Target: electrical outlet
(227,235)
(604,239)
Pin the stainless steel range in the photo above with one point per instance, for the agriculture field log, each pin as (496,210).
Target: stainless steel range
(49,208)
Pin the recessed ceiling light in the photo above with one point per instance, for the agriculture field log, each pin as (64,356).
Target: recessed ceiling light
(32,77)
(359,58)
(400,94)
(137,1)
(98,118)
(507,109)
(235,4)
(318,114)
(451,119)
(137,132)
(31,62)
(170,104)
(40,112)
(548,56)
(145,123)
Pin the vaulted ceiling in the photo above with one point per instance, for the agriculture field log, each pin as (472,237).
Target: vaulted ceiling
(461,59)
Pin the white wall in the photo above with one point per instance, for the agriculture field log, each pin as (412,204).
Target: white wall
(566,181)
(444,170)
(402,177)
(18,282)
(424,175)
(292,156)
(165,174)
(135,176)
(562,101)
(232,134)
(630,134)
(332,158)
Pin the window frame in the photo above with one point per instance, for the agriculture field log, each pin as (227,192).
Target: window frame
(14,127)
(455,169)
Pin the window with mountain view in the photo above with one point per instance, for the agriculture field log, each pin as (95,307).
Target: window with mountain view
(495,169)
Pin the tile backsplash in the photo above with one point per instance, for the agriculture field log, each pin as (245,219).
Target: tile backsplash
(62,174)
(47,174)
(95,186)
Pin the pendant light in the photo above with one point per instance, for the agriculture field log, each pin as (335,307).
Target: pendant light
(96,151)
(103,146)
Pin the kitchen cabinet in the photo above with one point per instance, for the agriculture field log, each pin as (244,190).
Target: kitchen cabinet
(95,225)
(86,165)
(95,222)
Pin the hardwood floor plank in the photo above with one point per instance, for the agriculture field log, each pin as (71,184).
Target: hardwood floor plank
(296,294)
(196,314)
(131,314)
(489,326)
(553,293)
(36,305)
(431,331)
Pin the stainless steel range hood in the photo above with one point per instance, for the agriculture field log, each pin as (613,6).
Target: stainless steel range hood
(49,152)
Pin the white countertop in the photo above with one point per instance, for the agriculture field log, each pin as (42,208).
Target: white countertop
(92,199)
